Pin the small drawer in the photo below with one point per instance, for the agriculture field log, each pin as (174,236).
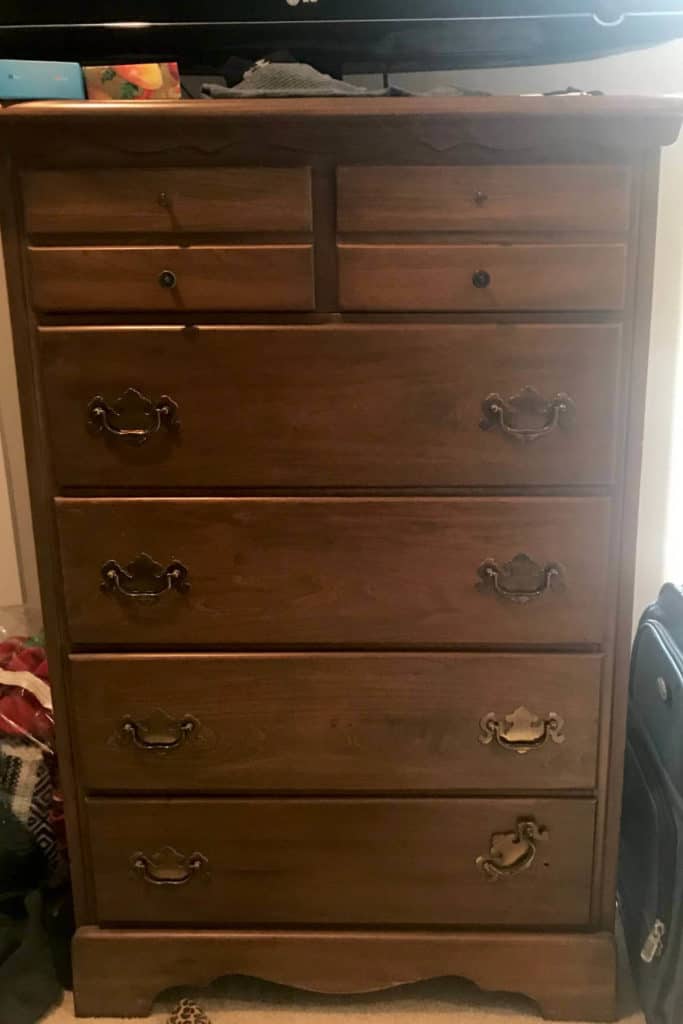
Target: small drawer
(544,197)
(342,862)
(335,571)
(172,279)
(169,200)
(482,278)
(349,405)
(336,722)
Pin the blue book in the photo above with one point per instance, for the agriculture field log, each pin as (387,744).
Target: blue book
(40,80)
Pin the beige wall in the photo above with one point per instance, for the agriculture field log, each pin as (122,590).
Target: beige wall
(18,575)
(10,585)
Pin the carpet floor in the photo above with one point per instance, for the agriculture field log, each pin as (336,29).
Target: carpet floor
(446,1001)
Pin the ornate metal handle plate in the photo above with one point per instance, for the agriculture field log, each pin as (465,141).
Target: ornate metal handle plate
(143,579)
(133,417)
(511,853)
(521,731)
(168,867)
(519,415)
(160,733)
(520,580)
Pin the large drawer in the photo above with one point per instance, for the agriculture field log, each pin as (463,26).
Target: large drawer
(336,722)
(168,200)
(484,198)
(376,862)
(172,279)
(354,571)
(481,278)
(342,406)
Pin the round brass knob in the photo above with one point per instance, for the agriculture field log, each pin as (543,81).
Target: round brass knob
(481,279)
(163,199)
(167,279)
(480,198)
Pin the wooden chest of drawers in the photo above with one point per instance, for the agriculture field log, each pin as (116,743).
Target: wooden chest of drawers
(333,414)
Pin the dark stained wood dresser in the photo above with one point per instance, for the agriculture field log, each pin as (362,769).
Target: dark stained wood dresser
(333,414)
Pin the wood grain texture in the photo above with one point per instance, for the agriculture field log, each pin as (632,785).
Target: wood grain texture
(406,130)
(484,198)
(199,199)
(332,862)
(337,723)
(642,120)
(570,976)
(523,277)
(346,572)
(265,277)
(339,406)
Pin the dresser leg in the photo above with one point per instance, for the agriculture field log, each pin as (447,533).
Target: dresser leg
(106,981)
(597,1005)
(121,973)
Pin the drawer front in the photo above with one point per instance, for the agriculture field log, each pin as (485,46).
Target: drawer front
(353,722)
(374,862)
(340,406)
(513,277)
(171,279)
(168,200)
(281,571)
(484,198)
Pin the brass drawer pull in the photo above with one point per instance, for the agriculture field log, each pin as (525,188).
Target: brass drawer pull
(167,279)
(521,731)
(144,579)
(168,867)
(480,198)
(160,733)
(520,580)
(527,405)
(481,279)
(133,407)
(511,853)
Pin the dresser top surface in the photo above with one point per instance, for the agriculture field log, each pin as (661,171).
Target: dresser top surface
(568,124)
(563,106)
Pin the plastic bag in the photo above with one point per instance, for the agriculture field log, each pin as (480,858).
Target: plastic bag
(29,778)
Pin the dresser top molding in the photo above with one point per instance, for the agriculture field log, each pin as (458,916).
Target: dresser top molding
(502,122)
(600,107)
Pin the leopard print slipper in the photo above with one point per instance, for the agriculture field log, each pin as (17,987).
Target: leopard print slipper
(188,1012)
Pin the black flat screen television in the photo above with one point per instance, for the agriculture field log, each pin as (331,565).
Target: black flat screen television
(337,34)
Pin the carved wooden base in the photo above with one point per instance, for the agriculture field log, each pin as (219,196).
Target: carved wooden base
(120,973)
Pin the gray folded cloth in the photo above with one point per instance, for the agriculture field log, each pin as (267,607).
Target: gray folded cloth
(290,79)
(270,79)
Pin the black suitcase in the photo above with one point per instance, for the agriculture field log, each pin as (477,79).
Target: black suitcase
(651,854)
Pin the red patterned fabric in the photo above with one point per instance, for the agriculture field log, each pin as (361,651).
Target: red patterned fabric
(21,712)
(23,715)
